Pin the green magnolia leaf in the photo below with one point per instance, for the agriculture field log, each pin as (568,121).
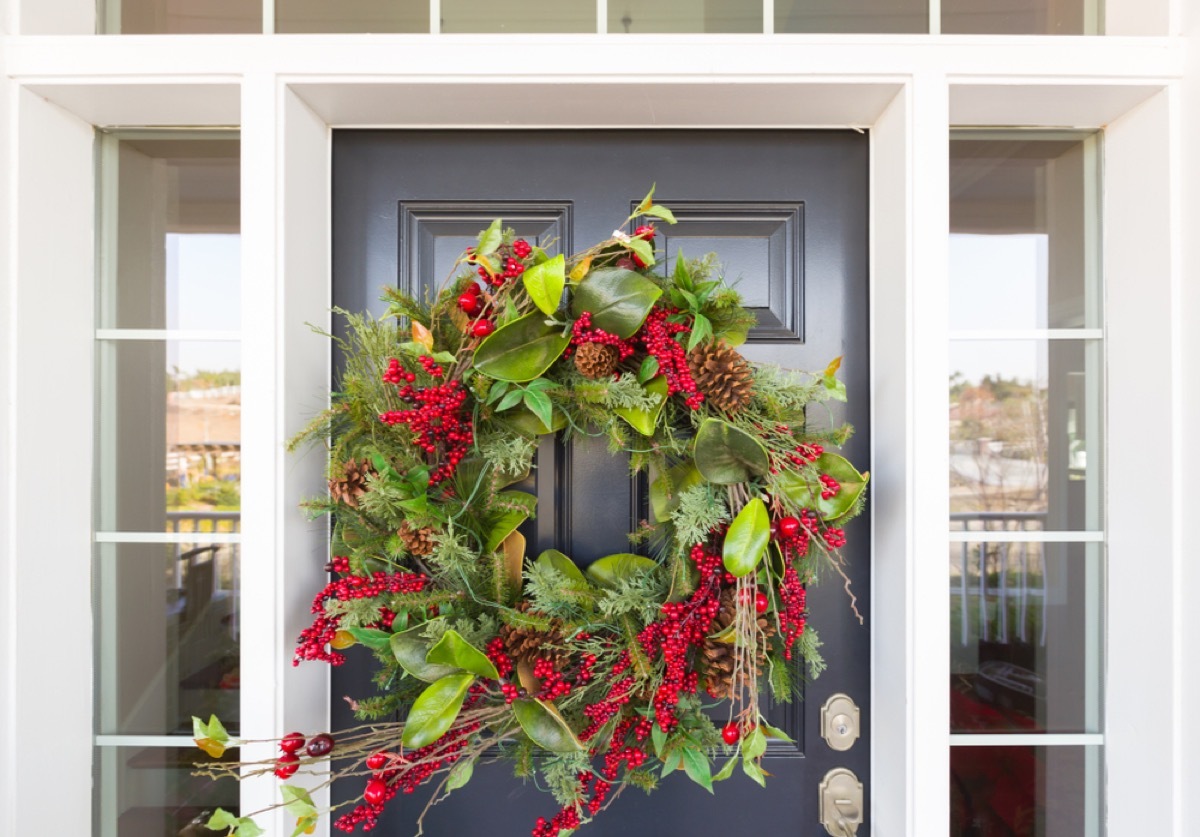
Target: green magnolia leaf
(617,299)
(665,491)
(523,421)
(453,650)
(373,638)
(521,350)
(410,649)
(520,507)
(726,455)
(660,211)
(565,566)
(490,239)
(460,774)
(754,745)
(643,249)
(434,710)
(539,404)
(696,765)
(545,726)
(645,421)
(726,771)
(545,282)
(806,493)
(297,801)
(610,569)
(747,538)
(648,369)
(754,772)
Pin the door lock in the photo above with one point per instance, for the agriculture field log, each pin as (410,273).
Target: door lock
(840,722)
(841,803)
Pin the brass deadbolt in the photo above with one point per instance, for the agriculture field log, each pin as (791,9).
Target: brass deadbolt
(840,722)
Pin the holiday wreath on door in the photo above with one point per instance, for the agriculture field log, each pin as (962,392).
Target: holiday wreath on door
(596,680)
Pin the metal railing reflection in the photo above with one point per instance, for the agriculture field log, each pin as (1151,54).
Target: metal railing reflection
(1009,579)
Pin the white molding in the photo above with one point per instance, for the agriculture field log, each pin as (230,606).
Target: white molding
(1012,739)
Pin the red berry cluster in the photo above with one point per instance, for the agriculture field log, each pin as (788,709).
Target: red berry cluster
(582,332)
(431,367)
(791,614)
(834,537)
(396,374)
(830,487)
(288,761)
(439,420)
(604,710)
(511,267)
(499,656)
(554,685)
(657,336)
(644,232)
(568,818)
(632,756)
(791,535)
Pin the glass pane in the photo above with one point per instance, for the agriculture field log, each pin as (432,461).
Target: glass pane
(633,16)
(351,15)
(1026,623)
(168,435)
(1025,791)
(1024,233)
(181,17)
(1025,434)
(518,16)
(171,245)
(167,627)
(151,792)
(1021,17)
(851,16)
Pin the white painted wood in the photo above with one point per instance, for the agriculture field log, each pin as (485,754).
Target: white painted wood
(54,17)
(1143,283)
(9,759)
(119,102)
(48,662)
(1050,103)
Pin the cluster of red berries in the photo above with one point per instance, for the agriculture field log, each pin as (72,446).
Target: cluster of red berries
(554,685)
(791,535)
(288,762)
(834,537)
(472,303)
(604,710)
(829,487)
(511,267)
(568,817)
(582,332)
(621,753)
(499,656)
(397,374)
(645,232)
(792,598)
(440,422)
(657,337)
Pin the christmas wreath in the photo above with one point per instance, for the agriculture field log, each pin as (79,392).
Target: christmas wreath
(596,679)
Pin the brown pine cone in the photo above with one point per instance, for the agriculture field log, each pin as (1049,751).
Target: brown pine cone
(719,656)
(596,360)
(722,374)
(526,644)
(417,541)
(352,484)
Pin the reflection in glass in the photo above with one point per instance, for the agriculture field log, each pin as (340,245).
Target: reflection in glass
(851,16)
(1025,434)
(634,16)
(1025,791)
(518,16)
(1021,17)
(1024,233)
(151,792)
(172,250)
(166,636)
(181,17)
(169,435)
(351,15)
(1025,624)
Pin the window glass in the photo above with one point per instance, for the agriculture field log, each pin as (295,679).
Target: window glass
(181,17)
(518,16)
(351,15)
(851,16)
(634,16)
(1021,17)
(151,792)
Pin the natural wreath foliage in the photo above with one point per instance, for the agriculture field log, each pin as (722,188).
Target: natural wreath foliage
(594,679)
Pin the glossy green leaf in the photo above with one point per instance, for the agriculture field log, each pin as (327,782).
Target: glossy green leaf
(648,369)
(726,771)
(610,569)
(297,801)
(660,211)
(658,737)
(618,299)
(453,650)
(644,421)
(643,249)
(696,765)
(726,455)
(754,745)
(460,774)
(754,772)
(545,282)
(410,649)
(545,726)
(510,399)
(521,350)
(806,493)
(774,732)
(434,710)
(747,538)
(373,638)
(520,507)
(701,331)
(523,421)
(665,490)
(565,566)
(490,239)
(539,404)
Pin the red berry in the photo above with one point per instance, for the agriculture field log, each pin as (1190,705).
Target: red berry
(731,734)
(761,603)
(474,289)
(292,742)
(469,303)
(320,745)
(645,231)
(789,526)
(376,760)
(375,791)
(482,328)
(287,765)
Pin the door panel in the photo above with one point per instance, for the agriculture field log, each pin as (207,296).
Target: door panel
(787,213)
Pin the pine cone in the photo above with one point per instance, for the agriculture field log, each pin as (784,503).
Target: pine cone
(723,375)
(719,656)
(353,484)
(526,644)
(596,360)
(417,541)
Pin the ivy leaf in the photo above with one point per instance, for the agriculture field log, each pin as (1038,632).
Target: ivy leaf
(410,649)
(618,300)
(696,765)
(373,638)
(648,369)
(545,726)
(544,283)
(701,331)
(297,801)
(660,211)
(609,570)
(806,493)
(539,404)
(490,239)
(726,455)
(521,350)
(645,421)
(435,709)
(453,650)
(747,538)
(460,774)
